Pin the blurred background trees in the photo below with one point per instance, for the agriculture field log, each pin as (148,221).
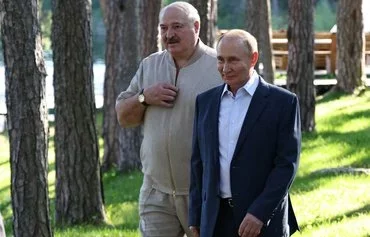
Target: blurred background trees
(230,14)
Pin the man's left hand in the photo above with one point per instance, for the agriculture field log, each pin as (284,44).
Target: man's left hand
(250,227)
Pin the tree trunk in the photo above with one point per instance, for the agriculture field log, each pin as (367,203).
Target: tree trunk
(350,46)
(258,18)
(79,196)
(27,118)
(300,73)
(208,18)
(113,20)
(148,36)
(123,53)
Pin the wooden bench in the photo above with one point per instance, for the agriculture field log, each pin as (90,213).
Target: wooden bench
(324,58)
(367,48)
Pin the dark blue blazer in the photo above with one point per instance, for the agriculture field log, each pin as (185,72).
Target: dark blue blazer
(263,166)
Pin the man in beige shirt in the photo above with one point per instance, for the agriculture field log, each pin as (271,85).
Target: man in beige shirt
(161,96)
(2,229)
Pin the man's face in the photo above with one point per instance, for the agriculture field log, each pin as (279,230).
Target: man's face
(178,35)
(234,63)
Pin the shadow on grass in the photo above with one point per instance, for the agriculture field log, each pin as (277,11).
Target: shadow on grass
(346,118)
(5,204)
(339,217)
(5,188)
(330,96)
(119,188)
(5,163)
(307,183)
(357,141)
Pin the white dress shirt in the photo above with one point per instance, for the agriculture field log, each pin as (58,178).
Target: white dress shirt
(232,113)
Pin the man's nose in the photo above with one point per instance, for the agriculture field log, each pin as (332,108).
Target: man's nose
(170,33)
(226,67)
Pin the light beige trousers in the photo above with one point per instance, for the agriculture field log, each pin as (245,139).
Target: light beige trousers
(162,214)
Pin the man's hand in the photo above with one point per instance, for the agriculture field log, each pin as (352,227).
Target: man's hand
(250,226)
(194,230)
(161,94)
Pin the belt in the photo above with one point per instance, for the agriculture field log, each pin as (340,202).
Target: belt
(227,201)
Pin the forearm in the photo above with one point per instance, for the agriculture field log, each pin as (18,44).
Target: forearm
(286,164)
(130,112)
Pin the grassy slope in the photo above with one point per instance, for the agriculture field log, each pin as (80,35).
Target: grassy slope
(325,204)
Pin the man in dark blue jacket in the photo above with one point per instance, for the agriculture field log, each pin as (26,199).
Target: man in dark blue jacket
(246,147)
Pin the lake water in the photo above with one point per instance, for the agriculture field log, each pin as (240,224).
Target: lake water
(98,68)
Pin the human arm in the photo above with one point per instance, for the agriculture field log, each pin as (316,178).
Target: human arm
(284,160)
(130,112)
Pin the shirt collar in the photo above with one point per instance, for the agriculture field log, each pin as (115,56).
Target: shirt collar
(250,87)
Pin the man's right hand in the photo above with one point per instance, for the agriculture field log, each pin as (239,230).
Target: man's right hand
(194,230)
(161,94)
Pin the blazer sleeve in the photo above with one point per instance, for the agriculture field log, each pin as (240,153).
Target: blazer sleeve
(196,173)
(285,163)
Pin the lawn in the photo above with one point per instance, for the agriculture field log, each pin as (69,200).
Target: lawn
(327,204)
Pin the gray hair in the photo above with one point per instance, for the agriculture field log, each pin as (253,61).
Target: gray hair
(249,41)
(190,11)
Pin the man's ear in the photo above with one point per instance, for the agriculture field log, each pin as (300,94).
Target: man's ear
(196,26)
(254,58)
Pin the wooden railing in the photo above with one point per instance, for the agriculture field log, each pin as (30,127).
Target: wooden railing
(325,50)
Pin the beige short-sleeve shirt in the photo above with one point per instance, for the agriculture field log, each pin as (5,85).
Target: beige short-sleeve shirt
(166,148)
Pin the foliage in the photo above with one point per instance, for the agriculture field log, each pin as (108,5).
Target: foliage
(231,14)
(98,29)
(326,204)
(325,16)
(46,31)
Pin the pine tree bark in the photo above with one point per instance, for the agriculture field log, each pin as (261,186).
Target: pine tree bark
(113,20)
(258,23)
(300,73)
(350,47)
(79,189)
(149,20)
(127,24)
(207,10)
(27,118)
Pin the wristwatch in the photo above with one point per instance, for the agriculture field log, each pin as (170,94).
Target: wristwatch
(141,98)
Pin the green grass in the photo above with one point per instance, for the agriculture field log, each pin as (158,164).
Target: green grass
(326,205)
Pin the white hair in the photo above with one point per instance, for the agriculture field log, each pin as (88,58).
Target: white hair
(190,11)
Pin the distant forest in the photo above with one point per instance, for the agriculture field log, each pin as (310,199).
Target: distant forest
(231,14)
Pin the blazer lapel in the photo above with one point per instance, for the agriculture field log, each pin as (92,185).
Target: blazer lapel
(258,103)
(213,119)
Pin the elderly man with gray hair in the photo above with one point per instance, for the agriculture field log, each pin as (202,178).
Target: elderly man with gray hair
(161,96)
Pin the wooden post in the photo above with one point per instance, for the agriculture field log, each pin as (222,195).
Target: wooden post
(333,54)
